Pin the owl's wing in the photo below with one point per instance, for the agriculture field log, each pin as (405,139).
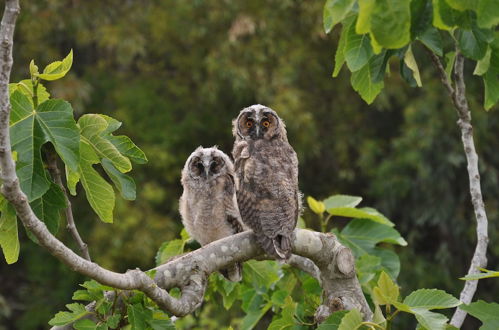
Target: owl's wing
(233,217)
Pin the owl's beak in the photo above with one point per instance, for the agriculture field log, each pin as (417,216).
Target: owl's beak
(257,131)
(207,171)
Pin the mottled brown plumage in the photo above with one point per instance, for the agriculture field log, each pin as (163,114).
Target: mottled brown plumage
(266,167)
(208,204)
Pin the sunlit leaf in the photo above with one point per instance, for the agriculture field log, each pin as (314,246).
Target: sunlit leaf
(410,61)
(431,299)
(351,321)
(488,13)
(316,206)
(57,69)
(342,201)
(363,213)
(390,23)
(357,49)
(363,24)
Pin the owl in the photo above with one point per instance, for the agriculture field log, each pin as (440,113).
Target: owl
(266,169)
(208,204)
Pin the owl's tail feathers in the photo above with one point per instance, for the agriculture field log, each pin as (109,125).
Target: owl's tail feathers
(233,273)
(282,246)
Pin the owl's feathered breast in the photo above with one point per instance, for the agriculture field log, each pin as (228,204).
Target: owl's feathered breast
(268,186)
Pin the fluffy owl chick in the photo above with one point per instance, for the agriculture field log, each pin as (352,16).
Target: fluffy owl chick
(267,171)
(208,204)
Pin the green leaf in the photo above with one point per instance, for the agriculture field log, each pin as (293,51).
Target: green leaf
(161,324)
(51,122)
(351,321)
(362,213)
(367,234)
(450,59)
(33,69)
(485,274)
(378,316)
(386,292)
(473,43)
(410,61)
(9,240)
(286,319)
(483,65)
(333,321)
(85,324)
(168,250)
(137,317)
(124,183)
(389,261)
(57,69)
(390,23)
(367,266)
(482,310)
(462,4)
(431,299)
(253,316)
(128,148)
(432,39)
(99,193)
(430,320)
(114,320)
(339,57)
(72,179)
(491,82)
(421,16)
(362,83)
(316,206)
(335,11)
(47,208)
(261,273)
(363,24)
(93,131)
(446,18)
(357,50)
(26,87)
(62,318)
(488,13)
(342,201)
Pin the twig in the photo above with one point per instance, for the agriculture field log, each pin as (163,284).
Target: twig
(71,226)
(458,96)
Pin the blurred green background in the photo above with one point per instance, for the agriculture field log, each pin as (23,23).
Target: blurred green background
(177,72)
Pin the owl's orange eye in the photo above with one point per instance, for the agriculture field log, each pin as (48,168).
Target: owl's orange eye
(249,123)
(266,124)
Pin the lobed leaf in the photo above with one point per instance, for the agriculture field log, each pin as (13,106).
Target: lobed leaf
(123,182)
(77,311)
(93,128)
(386,292)
(351,321)
(47,208)
(99,193)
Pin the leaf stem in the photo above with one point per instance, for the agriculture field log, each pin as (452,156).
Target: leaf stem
(373,325)
(35,82)
(71,227)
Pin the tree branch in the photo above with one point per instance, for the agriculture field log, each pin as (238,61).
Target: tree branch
(71,226)
(188,272)
(458,96)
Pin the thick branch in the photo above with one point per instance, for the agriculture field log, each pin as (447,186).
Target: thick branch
(334,261)
(71,226)
(458,96)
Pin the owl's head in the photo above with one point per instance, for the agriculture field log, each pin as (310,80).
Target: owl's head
(258,122)
(206,164)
